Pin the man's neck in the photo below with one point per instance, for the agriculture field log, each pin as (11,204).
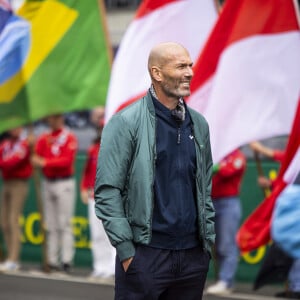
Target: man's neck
(169,102)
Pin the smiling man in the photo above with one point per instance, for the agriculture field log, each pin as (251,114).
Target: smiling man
(153,186)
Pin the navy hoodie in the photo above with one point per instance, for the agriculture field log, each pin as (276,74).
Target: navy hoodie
(174,224)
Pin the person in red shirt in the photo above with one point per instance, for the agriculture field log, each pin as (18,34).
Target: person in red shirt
(293,285)
(226,183)
(16,170)
(55,153)
(102,251)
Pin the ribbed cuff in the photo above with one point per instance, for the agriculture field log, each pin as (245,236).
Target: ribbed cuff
(125,250)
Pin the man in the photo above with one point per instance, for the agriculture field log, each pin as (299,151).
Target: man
(153,186)
(226,183)
(16,171)
(55,154)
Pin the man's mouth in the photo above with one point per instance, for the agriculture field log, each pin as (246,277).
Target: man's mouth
(186,83)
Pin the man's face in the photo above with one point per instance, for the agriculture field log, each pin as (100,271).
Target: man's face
(177,74)
(55,121)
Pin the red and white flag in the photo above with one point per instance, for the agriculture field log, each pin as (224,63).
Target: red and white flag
(186,22)
(247,79)
(255,231)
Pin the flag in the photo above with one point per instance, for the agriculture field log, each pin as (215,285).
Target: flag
(54,58)
(247,80)
(255,231)
(156,21)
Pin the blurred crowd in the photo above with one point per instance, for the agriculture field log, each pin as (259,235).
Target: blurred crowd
(52,153)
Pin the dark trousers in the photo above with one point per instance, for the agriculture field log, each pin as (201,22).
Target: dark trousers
(159,274)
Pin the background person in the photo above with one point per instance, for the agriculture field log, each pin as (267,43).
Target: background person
(55,153)
(103,254)
(16,170)
(153,186)
(226,184)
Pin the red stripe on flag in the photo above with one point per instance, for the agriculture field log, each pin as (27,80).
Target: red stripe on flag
(293,143)
(241,19)
(148,6)
(255,231)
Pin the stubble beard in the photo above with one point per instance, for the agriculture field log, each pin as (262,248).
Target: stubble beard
(176,92)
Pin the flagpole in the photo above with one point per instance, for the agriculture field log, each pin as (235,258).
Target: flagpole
(103,17)
(260,170)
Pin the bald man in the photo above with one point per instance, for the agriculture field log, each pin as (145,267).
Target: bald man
(153,186)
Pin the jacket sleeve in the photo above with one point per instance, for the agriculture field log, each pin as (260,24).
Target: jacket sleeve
(210,212)
(114,161)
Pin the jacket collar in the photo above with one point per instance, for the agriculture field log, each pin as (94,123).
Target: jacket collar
(150,103)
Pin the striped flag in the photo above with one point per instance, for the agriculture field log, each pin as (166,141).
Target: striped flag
(255,231)
(186,22)
(247,78)
(54,58)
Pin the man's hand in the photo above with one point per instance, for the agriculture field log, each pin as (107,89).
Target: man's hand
(264,182)
(126,263)
(84,196)
(37,161)
(31,139)
(260,148)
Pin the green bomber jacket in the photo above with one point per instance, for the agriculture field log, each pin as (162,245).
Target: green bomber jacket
(124,195)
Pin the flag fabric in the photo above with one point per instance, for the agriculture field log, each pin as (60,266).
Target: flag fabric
(156,21)
(255,231)
(54,58)
(247,80)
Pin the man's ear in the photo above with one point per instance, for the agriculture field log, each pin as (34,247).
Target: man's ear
(156,73)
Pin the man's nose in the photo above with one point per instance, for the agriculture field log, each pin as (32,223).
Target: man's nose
(189,72)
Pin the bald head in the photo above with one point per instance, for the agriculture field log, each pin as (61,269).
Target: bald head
(170,69)
(162,53)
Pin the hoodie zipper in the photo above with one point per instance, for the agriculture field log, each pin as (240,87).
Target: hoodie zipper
(178,134)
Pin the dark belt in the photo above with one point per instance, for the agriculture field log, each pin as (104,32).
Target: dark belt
(58,178)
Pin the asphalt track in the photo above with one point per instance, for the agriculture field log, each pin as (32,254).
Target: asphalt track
(33,284)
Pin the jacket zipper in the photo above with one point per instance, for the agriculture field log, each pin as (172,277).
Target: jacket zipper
(204,195)
(153,178)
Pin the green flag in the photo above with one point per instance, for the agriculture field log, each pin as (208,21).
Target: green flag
(54,58)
